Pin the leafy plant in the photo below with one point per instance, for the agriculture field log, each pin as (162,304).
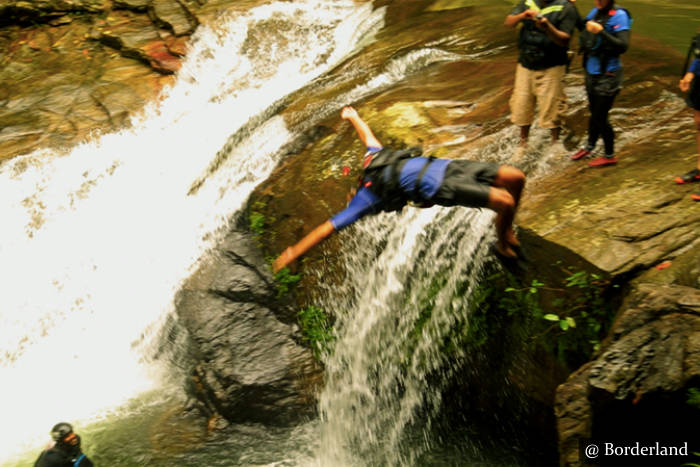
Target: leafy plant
(285,280)
(574,318)
(256,218)
(693,399)
(257,222)
(316,330)
(696,454)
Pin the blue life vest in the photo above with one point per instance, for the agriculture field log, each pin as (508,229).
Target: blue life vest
(596,59)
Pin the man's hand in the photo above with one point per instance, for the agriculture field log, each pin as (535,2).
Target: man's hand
(542,23)
(530,14)
(593,27)
(348,113)
(283,260)
(512,20)
(685,82)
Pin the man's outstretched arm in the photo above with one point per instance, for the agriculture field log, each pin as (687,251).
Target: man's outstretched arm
(349,215)
(364,132)
(312,239)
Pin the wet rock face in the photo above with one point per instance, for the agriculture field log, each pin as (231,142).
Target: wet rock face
(72,68)
(639,381)
(248,363)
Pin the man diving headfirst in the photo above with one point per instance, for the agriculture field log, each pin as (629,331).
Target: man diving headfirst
(392,178)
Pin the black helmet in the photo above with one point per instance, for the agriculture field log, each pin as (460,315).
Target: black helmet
(60,431)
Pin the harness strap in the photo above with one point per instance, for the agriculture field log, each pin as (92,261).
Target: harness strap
(692,50)
(544,11)
(77,461)
(419,178)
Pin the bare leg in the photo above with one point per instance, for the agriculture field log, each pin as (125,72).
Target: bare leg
(501,201)
(512,180)
(555,134)
(524,134)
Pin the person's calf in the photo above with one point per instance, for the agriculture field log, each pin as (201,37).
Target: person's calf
(555,134)
(512,180)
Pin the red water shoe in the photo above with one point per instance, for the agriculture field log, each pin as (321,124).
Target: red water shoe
(603,161)
(580,154)
(690,177)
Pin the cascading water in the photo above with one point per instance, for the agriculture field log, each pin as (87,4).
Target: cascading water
(97,239)
(377,384)
(407,286)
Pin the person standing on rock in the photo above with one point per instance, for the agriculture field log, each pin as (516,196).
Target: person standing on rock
(65,450)
(605,36)
(543,42)
(392,178)
(690,83)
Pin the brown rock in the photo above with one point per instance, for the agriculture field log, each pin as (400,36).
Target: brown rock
(651,359)
(135,5)
(174,16)
(136,37)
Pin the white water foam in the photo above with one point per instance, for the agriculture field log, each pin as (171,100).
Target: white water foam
(377,376)
(96,241)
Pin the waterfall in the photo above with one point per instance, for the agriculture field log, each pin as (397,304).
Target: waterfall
(391,330)
(97,238)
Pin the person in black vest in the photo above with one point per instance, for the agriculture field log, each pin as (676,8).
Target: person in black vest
(543,42)
(605,36)
(393,178)
(66,451)
(690,83)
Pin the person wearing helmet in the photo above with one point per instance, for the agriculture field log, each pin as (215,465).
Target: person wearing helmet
(65,450)
(393,178)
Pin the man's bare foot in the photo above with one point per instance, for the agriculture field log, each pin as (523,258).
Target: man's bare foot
(505,251)
(512,239)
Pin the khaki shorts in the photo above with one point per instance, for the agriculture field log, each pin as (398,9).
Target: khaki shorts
(542,86)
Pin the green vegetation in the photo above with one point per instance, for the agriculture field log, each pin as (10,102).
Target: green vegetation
(693,399)
(256,218)
(285,281)
(567,316)
(696,454)
(316,329)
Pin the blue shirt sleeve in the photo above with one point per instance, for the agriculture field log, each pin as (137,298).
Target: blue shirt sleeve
(619,22)
(364,202)
(695,67)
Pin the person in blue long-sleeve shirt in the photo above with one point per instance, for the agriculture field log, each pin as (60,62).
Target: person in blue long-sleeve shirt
(690,83)
(605,36)
(392,178)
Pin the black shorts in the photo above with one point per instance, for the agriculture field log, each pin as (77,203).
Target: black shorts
(608,84)
(693,97)
(466,183)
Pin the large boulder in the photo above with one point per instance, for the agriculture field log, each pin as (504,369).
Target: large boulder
(248,363)
(636,389)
